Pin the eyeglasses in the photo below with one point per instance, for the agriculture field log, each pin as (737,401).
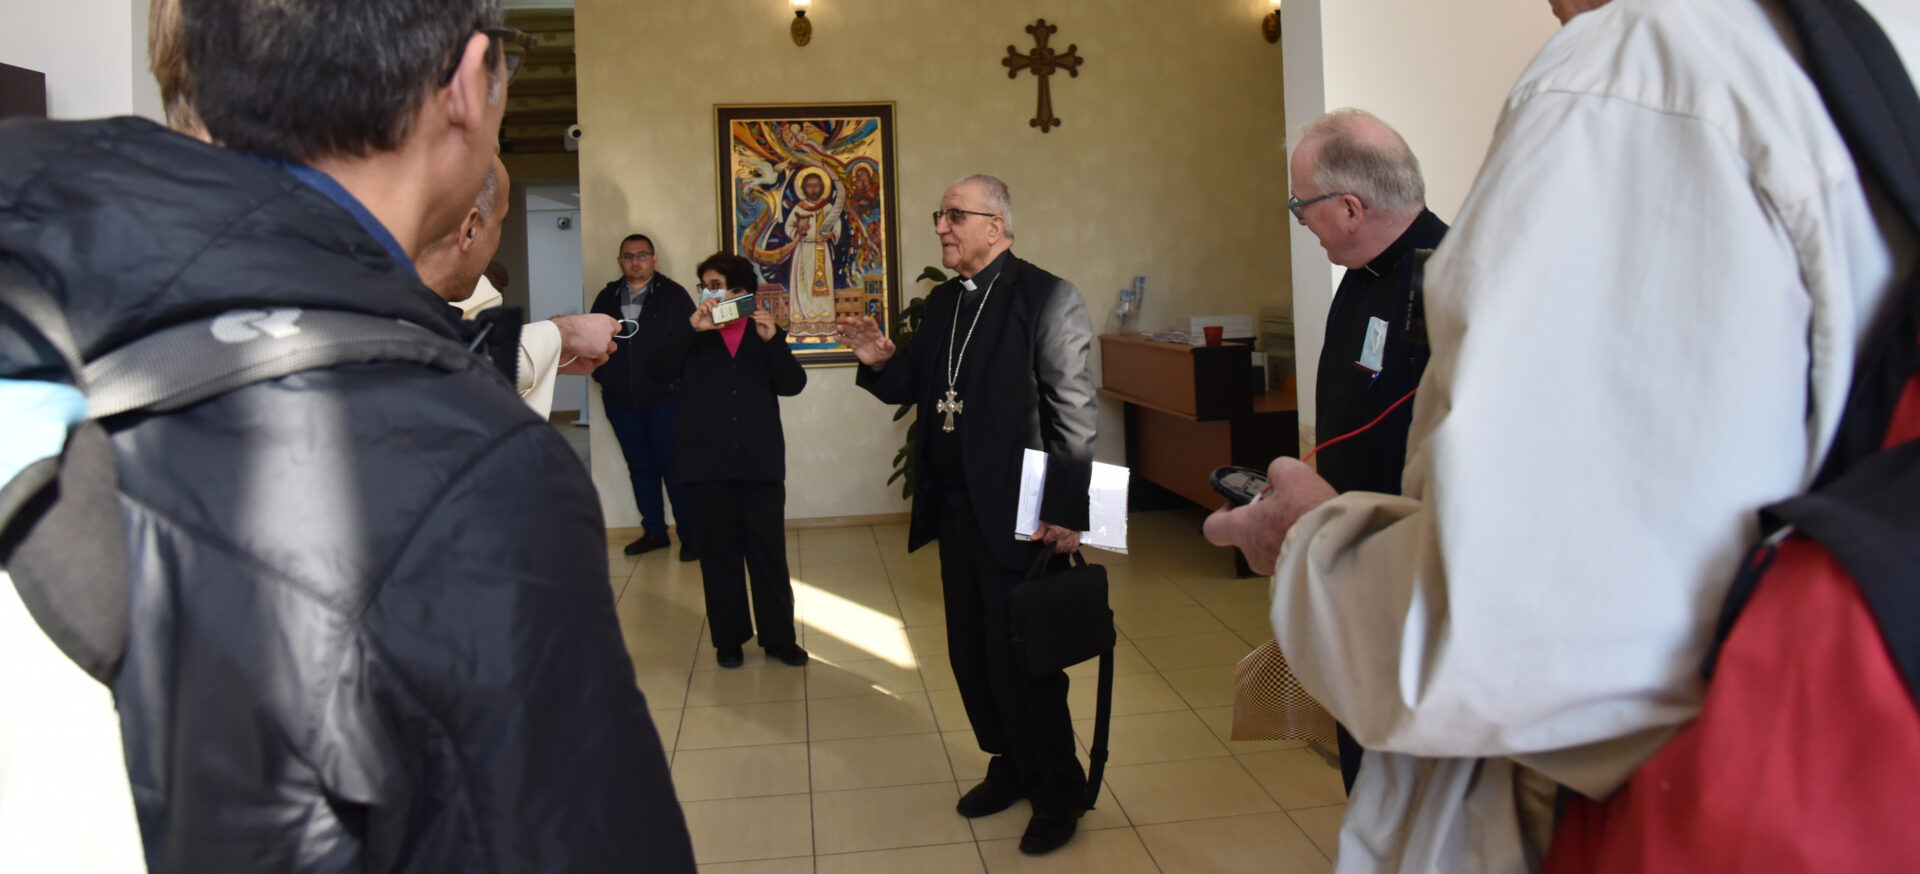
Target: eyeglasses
(635,256)
(514,42)
(953,216)
(1298,206)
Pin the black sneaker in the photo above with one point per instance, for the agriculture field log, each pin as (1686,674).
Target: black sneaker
(688,553)
(648,543)
(791,653)
(730,657)
(1047,832)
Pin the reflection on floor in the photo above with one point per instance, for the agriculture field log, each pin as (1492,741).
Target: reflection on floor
(854,762)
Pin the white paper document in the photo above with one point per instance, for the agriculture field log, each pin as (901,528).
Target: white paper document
(1106,503)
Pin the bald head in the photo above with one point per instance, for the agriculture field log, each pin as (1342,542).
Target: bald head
(1353,150)
(453,264)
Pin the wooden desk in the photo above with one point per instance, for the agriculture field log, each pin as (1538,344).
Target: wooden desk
(1175,435)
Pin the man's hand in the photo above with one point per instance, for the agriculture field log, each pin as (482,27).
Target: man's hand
(1063,540)
(1259,529)
(763,324)
(585,341)
(863,336)
(702,318)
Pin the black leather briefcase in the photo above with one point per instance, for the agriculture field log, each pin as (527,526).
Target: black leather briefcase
(1061,619)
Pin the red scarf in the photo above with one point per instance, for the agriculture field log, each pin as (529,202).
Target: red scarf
(732,332)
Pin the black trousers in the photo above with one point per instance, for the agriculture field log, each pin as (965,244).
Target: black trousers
(1015,716)
(744,521)
(1350,754)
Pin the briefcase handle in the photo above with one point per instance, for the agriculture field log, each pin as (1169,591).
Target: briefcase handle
(1039,567)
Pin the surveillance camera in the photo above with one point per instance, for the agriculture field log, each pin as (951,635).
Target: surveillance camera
(563,222)
(571,140)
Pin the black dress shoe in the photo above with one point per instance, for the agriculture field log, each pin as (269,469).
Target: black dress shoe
(648,543)
(791,653)
(688,553)
(988,798)
(730,657)
(1047,832)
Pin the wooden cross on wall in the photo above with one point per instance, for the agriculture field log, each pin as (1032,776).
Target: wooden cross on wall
(1043,62)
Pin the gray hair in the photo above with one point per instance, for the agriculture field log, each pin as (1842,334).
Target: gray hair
(1363,155)
(996,194)
(489,191)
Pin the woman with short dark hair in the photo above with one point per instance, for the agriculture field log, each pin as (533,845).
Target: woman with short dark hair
(730,455)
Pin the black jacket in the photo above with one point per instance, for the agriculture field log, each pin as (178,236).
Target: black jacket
(1346,397)
(624,380)
(370,630)
(729,419)
(1025,384)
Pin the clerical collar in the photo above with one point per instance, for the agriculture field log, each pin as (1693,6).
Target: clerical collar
(1424,228)
(986,275)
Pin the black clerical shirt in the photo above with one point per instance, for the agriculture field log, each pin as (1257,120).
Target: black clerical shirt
(1347,394)
(945,448)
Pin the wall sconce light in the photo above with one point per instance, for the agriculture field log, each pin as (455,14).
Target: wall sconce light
(802,28)
(1270,26)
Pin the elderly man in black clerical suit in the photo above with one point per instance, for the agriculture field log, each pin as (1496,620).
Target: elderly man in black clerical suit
(1000,366)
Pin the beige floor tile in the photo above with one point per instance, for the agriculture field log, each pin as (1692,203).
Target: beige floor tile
(869,677)
(862,556)
(1144,622)
(858,643)
(658,658)
(949,710)
(1132,693)
(919,588)
(853,537)
(928,640)
(1155,737)
(1134,572)
(1110,851)
(1012,822)
(843,577)
(667,723)
(1322,825)
(937,672)
(1216,589)
(743,725)
(858,820)
(1220,719)
(1296,778)
(1194,650)
(664,691)
(924,612)
(748,684)
(871,762)
(740,772)
(1267,842)
(1146,595)
(1198,789)
(1210,686)
(968,759)
(1249,615)
(746,829)
(870,716)
(942,859)
(798,865)
(1126,660)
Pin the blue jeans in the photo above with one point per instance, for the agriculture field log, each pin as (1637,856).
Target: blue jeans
(646,439)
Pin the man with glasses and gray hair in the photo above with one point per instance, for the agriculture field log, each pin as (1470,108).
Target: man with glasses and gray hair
(1357,187)
(999,366)
(369,627)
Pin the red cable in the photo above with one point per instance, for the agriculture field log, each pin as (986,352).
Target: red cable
(1362,429)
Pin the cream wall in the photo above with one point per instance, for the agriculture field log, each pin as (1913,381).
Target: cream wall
(1438,72)
(1169,164)
(94,53)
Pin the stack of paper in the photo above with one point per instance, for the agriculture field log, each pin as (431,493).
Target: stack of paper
(1106,503)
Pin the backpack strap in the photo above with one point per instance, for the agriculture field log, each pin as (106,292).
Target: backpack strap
(62,539)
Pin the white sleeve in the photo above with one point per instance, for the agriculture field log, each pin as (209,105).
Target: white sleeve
(539,365)
(1619,380)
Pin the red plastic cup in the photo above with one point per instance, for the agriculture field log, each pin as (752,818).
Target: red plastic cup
(1214,333)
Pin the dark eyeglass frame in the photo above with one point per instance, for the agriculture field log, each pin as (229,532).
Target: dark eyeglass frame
(1298,206)
(635,256)
(512,41)
(949,214)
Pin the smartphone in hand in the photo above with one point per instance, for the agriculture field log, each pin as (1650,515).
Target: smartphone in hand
(1239,485)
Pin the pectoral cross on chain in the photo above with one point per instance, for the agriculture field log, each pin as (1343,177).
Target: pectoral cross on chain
(1043,62)
(949,405)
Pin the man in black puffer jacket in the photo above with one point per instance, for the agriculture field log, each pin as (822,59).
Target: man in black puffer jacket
(370,627)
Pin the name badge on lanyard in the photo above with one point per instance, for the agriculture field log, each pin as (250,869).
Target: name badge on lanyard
(1375,349)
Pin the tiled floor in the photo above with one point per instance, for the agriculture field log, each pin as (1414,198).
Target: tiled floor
(853,763)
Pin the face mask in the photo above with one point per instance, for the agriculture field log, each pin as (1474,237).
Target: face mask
(707,294)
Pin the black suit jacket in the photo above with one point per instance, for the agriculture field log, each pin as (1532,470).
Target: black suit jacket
(729,423)
(1025,384)
(624,380)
